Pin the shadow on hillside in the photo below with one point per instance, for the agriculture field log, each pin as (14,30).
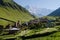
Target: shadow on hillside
(1,2)
(11,39)
(38,35)
(7,20)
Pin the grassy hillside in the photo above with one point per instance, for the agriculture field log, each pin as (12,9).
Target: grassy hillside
(12,11)
(53,36)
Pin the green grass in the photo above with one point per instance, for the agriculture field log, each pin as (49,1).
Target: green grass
(45,38)
(54,36)
(25,33)
(42,31)
(35,31)
(13,13)
(50,17)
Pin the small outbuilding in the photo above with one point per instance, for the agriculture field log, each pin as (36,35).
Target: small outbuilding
(13,30)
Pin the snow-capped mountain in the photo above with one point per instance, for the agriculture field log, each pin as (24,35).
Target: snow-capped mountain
(38,11)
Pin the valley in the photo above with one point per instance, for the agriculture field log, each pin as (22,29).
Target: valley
(17,23)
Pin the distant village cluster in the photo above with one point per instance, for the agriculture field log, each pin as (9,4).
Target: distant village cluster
(32,24)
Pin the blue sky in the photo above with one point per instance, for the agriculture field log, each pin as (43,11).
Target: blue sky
(49,4)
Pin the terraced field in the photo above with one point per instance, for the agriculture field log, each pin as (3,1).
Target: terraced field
(31,34)
(53,36)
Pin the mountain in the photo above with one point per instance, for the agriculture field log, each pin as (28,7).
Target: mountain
(38,11)
(55,13)
(12,11)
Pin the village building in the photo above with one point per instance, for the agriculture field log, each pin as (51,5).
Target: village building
(43,20)
(25,24)
(18,24)
(34,21)
(13,30)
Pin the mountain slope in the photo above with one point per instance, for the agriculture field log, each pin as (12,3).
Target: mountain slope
(39,12)
(55,13)
(12,11)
